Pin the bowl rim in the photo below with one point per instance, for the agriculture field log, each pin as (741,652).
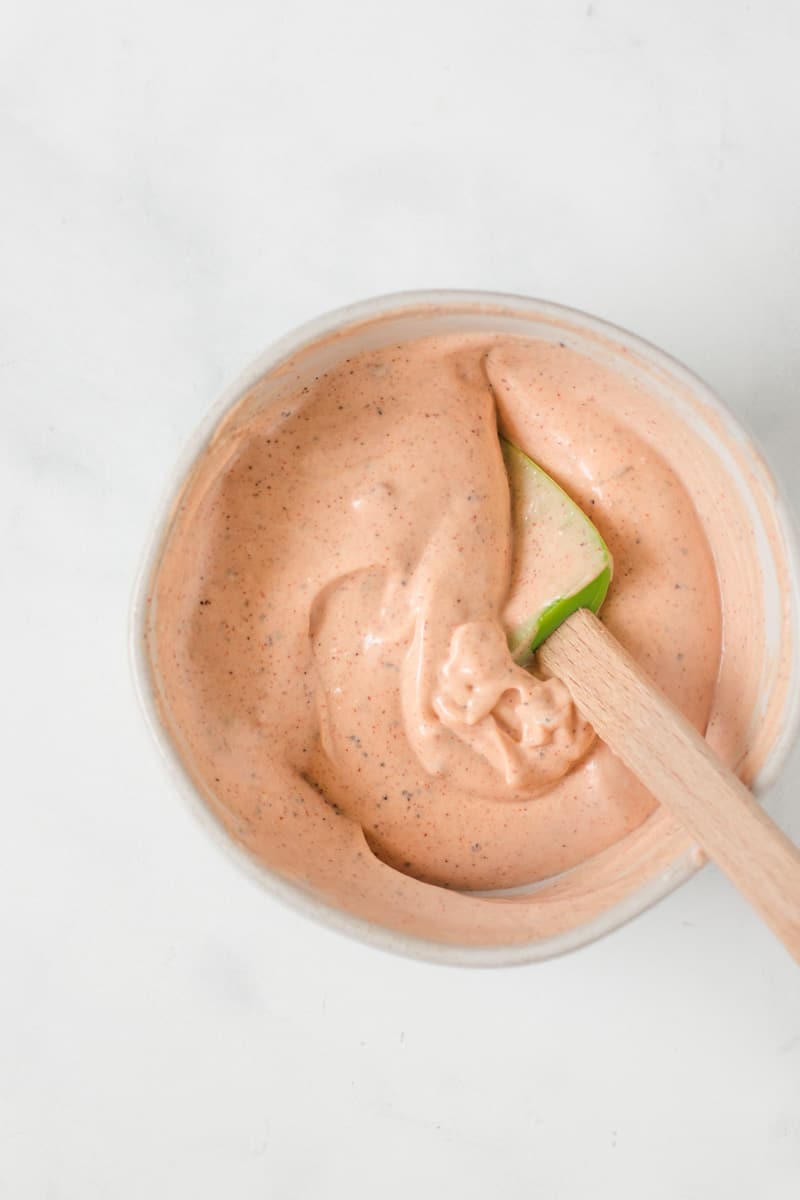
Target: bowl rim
(293,894)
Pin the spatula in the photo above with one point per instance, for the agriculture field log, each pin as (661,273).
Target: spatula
(628,711)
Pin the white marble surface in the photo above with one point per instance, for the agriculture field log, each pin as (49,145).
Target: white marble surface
(182,183)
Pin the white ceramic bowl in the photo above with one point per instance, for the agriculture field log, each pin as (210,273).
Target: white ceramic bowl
(393,318)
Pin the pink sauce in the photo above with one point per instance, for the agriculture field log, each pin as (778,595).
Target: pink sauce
(328,636)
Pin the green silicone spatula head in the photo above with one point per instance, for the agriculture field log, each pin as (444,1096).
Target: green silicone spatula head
(560,561)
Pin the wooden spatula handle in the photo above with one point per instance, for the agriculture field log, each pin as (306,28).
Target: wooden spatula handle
(676,764)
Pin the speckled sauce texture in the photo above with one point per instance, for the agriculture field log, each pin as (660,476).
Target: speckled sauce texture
(328,622)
